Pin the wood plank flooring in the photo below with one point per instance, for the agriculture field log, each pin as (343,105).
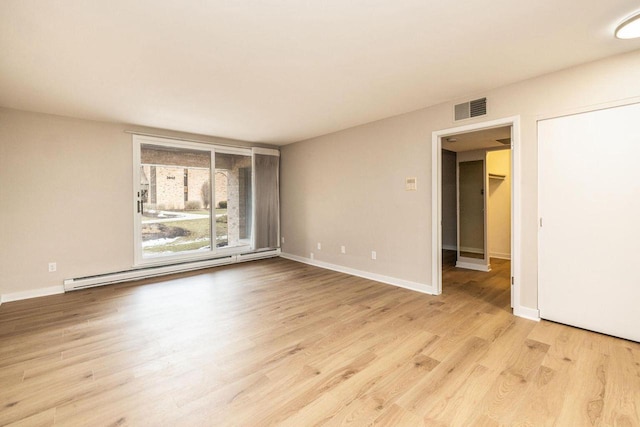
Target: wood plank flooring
(275,342)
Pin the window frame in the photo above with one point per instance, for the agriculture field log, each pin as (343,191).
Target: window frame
(214,252)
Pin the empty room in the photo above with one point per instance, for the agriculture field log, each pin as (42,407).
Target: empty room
(301,213)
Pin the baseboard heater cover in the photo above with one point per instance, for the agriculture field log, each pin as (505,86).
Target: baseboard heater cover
(148,272)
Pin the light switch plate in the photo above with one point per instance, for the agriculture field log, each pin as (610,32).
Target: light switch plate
(411,183)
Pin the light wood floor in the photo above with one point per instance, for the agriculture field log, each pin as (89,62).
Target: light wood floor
(276,342)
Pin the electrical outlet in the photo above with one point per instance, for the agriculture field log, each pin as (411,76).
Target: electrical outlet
(282,239)
(319,246)
(374,255)
(311,255)
(53,267)
(343,250)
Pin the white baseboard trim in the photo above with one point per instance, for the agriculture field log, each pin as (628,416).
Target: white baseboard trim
(72,284)
(500,255)
(413,286)
(162,270)
(527,313)
(472,250)
(32,293)
(472,266)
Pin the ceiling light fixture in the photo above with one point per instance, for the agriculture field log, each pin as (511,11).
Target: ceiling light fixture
(450,139)
(630,28)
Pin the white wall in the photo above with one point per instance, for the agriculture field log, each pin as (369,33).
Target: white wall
(348,187)
(65,197)
(499,204)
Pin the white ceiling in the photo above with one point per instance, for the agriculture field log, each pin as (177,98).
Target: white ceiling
(477,140)
(279,71)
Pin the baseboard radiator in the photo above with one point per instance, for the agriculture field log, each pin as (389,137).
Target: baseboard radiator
(148,272)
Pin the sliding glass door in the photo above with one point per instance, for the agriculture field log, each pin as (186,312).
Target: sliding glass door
(173,205)
(191,200)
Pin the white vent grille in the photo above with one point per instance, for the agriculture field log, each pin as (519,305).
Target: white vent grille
(466,110)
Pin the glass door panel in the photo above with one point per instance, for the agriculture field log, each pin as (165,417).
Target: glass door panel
(174,201)
(232,198)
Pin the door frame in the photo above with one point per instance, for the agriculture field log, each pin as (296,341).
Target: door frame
(516,190)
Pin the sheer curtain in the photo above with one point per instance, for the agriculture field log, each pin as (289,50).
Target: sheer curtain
(266,221)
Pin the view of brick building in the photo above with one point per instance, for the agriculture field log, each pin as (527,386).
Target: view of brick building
(177,181)
(171,187)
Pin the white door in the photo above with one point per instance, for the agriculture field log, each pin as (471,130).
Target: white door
(589,204)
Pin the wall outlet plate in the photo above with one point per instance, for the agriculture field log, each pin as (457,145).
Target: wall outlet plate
(53,267)
(374,255)
(343,250)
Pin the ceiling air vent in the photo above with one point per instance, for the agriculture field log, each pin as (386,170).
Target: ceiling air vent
(466,110)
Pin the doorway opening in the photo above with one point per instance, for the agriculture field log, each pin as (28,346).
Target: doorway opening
(476,205)
(477,208)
